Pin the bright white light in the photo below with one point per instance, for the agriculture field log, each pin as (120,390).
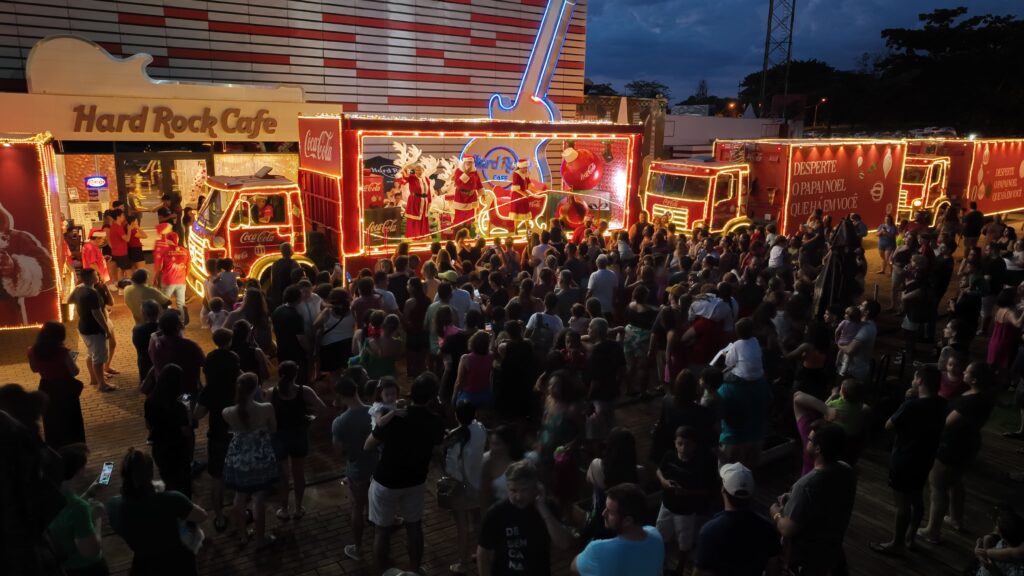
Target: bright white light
(972,136)
(619,183)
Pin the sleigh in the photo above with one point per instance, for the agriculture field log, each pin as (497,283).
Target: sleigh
(495,215)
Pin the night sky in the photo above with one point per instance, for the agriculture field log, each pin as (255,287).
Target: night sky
(679,42)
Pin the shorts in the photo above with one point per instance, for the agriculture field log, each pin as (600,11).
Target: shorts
(176,291)
(387,503)
(216,451)
(96,344)
(135,254)
(123,262)
(479,399)
(291,443)
(679,528)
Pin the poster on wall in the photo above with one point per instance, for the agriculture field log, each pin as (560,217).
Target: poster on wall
(28,283)
(607,197)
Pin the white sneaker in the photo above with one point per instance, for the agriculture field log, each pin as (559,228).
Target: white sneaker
(352,551)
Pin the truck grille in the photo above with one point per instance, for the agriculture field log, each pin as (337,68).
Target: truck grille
(678,216)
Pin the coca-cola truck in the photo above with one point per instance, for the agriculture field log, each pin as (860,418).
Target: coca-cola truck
(987,171)
(360,212)
(246,218)
(781,181)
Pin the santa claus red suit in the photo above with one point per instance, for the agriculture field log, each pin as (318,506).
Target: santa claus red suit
(468,188)
(519,210)
(418,197)
(26,272)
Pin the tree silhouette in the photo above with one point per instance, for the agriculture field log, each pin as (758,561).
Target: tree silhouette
(647,89)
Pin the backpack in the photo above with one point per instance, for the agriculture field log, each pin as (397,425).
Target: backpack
(543,337)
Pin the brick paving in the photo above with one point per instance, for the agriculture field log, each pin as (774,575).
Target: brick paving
(313,545)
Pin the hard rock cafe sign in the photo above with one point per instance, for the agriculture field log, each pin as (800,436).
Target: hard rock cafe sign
(260,237)
(164,121)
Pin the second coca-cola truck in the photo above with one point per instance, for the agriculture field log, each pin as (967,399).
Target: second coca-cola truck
(781,181)
(987,171)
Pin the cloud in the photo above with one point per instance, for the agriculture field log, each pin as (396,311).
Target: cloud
(680,42)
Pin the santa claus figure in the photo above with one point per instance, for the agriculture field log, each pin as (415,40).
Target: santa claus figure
(469,188)
(26,271)
(519,209)
(417,190)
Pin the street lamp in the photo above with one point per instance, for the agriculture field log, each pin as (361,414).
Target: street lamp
(814,123)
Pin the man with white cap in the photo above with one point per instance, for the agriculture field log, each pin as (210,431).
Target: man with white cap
(468,189)
(737,540)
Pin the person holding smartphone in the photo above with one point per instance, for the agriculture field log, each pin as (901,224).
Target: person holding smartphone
(75,531)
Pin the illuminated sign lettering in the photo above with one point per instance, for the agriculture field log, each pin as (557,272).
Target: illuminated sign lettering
(163,121)
(497,164)
(96,182)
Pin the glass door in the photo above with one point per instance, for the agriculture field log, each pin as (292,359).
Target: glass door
(150,176)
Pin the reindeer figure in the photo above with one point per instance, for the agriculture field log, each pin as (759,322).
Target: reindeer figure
(445,175)
(406,157)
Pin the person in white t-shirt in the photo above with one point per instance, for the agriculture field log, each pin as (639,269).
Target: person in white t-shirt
(777,254)
(743,356)
(602,285)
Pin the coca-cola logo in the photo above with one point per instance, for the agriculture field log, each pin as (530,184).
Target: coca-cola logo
(261,237)
(383,228)
(319,147)
(373,186)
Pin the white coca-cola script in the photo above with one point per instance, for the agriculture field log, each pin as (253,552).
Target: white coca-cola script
(319,147)
(260,237)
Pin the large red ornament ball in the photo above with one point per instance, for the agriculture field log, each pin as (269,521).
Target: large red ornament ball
(581,169)
(572,210)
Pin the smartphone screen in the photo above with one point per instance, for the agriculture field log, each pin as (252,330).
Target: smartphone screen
(348,277)
(476,293)
(108,469)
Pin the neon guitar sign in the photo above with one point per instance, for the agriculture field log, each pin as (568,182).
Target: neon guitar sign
(531,100)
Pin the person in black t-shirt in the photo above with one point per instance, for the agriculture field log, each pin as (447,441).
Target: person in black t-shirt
(290,330)
(222,370)
(689,477)
(93,327)
(408,436)
(281,275)
(516,533)
(170,429)
(973,222)
(918,426)
(737,541)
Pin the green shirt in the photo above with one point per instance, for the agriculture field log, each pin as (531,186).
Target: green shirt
(851,415)
(135,295)
(73,522)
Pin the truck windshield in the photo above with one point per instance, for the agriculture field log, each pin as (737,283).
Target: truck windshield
(678,186)
(212,210)
(914,174)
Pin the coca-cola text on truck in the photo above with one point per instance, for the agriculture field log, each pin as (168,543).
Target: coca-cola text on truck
(246,218)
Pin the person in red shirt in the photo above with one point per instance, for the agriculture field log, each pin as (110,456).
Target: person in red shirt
(264,211)
(160,248)
(117,238)
(173,271)
(92,254)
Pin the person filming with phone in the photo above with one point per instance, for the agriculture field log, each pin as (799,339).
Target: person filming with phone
(75,531)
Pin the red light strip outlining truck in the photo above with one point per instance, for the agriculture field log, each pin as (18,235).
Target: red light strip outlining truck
(247,218)
(942,171)
(780,181)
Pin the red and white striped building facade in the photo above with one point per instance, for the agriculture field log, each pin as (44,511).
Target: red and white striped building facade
(395,57)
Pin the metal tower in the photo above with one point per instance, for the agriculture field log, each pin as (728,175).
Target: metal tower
(778,46)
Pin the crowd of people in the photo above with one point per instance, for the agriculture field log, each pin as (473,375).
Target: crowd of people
(509,364)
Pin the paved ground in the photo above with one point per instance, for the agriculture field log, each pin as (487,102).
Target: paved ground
(313,545)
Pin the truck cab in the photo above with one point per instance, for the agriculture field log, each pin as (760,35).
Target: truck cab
(693,194)
(924,186)
(246,217)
